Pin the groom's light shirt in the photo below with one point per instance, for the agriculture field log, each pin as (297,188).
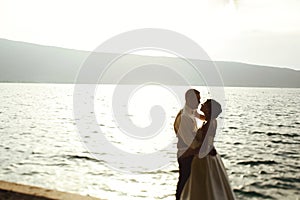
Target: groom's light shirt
(187,127)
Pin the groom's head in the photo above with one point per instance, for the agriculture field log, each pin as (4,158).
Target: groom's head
(192,98)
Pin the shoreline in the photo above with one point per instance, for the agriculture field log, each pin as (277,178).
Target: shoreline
(11,191)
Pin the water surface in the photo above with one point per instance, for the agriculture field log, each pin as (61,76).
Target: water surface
(259,144)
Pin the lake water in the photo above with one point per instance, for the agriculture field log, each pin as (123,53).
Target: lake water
(40,145)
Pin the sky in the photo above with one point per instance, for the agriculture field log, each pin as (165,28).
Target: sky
(265,32)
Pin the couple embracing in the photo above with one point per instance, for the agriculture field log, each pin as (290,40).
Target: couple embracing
(202,175)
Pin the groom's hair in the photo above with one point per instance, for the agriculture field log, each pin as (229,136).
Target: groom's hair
(191,94)
(192,98)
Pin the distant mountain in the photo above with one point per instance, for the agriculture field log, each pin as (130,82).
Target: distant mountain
(25,62)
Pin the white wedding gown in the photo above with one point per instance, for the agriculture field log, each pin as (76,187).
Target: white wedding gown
(208,179)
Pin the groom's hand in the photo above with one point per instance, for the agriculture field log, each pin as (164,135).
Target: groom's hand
(190,152)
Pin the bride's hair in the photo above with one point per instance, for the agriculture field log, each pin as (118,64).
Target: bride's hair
(214,108)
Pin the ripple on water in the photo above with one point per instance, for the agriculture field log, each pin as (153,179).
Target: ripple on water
(275,185)
(289,135)
(287,179)
(251,194)
(284,134)
(254,163)
(258,132)
(284,142)
(285,126)
(87,158)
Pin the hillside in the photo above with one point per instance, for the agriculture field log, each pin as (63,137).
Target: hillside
(25,62)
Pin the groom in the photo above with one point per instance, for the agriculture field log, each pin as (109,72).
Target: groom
(186,128)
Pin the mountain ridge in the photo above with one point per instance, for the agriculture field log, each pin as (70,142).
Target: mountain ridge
(26,62)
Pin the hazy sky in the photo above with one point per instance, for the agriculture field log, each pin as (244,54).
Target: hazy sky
(253,31)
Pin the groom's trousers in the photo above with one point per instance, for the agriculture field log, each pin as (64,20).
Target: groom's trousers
(184,173)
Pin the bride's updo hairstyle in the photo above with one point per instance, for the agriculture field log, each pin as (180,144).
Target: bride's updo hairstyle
(212,109)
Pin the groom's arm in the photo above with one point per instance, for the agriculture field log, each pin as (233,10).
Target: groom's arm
(177,122)
(199,116)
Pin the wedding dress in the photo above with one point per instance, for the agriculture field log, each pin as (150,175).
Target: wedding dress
(208,179)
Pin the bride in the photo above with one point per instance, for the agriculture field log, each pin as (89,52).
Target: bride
(208,179)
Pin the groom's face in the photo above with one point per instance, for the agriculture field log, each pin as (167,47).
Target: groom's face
(195,101)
